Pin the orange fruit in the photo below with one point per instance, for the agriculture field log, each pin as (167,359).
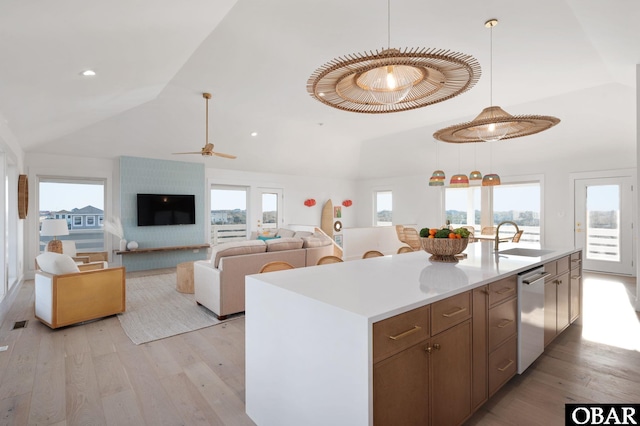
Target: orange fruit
(452,235)
(432,236)
(432,231)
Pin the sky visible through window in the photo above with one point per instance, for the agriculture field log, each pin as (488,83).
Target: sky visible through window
(55,196)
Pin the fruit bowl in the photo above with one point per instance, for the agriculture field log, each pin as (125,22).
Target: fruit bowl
(444,249)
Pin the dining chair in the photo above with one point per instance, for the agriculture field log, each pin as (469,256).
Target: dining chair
(516,237)
(405,249)
(372,253)
(329,259)
(488,230)
(275,266)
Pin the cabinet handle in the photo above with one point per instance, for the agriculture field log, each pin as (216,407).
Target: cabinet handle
(576,260)
(436,346)
(505,322)
(509,364)
(453,314)
(505,290)
(406,333)
(428,349)
(576,277)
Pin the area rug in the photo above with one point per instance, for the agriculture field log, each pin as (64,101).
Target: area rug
(155,310)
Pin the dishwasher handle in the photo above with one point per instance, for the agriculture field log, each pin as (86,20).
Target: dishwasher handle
(536,277)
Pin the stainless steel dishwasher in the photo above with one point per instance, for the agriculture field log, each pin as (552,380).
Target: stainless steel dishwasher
(530,316)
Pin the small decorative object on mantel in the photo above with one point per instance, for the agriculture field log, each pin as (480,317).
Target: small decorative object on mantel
(347,203)
(132,245)
(309,202)
(123,245)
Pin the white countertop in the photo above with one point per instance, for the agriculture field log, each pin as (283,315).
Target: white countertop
(382,287)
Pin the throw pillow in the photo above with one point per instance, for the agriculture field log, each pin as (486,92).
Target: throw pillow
(285,233)
(56,263)
(284,244)
(267,237)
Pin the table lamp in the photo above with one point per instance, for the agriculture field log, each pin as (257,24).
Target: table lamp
(54,228)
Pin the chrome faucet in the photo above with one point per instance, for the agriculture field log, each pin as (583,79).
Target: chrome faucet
(498,232)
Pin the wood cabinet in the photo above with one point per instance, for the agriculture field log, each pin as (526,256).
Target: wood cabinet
(556,299)
(502,329)
(575,290)
(479,321)
(428,382)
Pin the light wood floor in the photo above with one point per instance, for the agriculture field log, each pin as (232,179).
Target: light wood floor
(93,374)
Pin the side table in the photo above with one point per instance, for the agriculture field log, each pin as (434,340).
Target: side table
(184,277)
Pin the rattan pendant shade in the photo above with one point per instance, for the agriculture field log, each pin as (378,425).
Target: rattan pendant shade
(422,77)
(494,123)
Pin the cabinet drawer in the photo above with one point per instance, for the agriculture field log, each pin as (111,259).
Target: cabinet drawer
(551,268)
(394,334)
(502,364)
(563,265)
(502,323)
(450,311)
(576,260)
(503,289)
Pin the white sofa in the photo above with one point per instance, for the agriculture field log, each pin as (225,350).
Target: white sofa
(219,281)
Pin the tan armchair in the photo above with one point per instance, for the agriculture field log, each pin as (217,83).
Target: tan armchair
(65,294)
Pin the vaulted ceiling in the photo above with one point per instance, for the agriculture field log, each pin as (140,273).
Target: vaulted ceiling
(574,59)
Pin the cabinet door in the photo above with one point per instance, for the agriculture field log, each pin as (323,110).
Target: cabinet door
(550,311)
(479,381)
(563,284)
(576,293)
(401,388)
(451,376)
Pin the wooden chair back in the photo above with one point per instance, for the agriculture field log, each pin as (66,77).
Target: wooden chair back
(405,249)
(516,237)
(488,230)
(328,259)
(275,266)
(372,253)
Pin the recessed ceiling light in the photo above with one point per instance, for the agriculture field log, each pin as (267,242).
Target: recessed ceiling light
(254,133)
(88,73)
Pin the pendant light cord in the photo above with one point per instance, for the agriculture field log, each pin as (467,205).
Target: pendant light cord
(388,24)
(491,66)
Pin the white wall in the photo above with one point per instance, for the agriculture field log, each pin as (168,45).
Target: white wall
(296,190)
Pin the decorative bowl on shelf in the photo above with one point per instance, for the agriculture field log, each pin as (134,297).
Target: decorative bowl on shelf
(444,249)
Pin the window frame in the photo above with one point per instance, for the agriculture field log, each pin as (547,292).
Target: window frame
(375,206)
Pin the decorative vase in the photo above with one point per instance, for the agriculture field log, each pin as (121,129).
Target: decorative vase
(123,245)
(132,245)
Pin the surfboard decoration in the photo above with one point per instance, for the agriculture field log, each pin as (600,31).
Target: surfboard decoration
(326,221)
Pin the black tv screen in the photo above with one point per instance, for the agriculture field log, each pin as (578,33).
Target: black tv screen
(162,209)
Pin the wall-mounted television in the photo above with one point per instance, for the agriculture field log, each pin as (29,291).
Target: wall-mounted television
(164,209)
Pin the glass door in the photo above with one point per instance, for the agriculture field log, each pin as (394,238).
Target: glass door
(603,227)
(271,201)
(228,214)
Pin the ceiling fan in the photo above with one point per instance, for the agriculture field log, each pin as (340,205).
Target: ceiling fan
(207,149)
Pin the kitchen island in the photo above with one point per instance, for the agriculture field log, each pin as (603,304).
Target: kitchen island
(311,333)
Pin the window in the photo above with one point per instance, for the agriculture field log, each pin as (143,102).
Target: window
(228,214)
(71,199)
(517,202)
(463,206)
(383,208)
(269,210)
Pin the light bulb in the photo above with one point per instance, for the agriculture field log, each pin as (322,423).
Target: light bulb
(492,127)
(391,80)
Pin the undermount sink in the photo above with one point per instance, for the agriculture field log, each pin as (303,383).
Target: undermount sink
(529,252)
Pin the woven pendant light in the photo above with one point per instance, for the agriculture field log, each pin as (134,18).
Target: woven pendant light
(392,80)
(494,123)
(438,177)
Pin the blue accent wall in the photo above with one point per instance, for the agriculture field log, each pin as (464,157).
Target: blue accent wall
(149,176)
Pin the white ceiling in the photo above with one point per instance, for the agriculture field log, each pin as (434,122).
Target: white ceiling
(154,58)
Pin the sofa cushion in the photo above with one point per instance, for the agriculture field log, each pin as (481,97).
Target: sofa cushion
(285,233)
(236,248)
(315,241)
(302,234)
(56,263)
(281,244)
(267,237)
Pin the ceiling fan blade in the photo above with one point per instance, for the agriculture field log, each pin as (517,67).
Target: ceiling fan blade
(178,153)
(219,154)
